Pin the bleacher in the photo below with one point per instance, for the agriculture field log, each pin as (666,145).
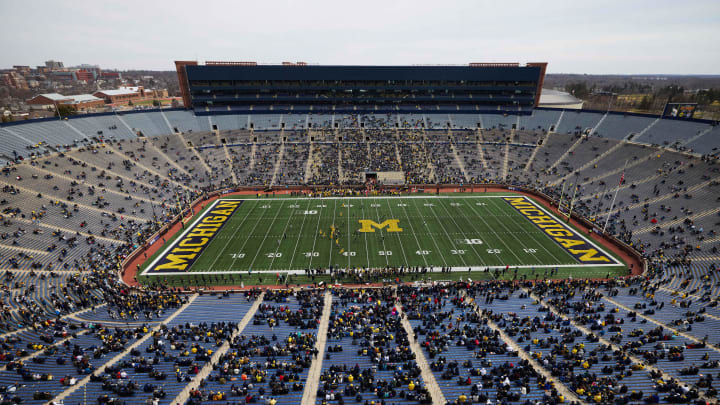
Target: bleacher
(667,132)
(573,122)
(540,120)
(102,126)
(69,214)
(618,126)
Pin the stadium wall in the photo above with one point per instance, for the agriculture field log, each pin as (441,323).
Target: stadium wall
(151,110)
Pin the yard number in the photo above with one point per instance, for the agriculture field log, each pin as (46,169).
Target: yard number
(530,250)
(482,204)
(348,253)
(494,251)
(312,254)
(457,252)
(274,255)
(237,255)
(310,212)
(422,252)
(385,252)
(472,241)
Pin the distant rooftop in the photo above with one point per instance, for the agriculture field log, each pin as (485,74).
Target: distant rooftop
(550,97)
(55,96)
(83,98)
(117,92)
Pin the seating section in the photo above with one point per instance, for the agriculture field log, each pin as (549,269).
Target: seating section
(706,143)
(81,194)
(618,126)
(368,357)
(186,121)
(52,133)
(149,124)
(102,126)
(668,132)
(542,120)
(230,122)
(646,339)
(498,121)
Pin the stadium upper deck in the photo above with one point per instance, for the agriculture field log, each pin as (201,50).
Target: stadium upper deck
(232,87)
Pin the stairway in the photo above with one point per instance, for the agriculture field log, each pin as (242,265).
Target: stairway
(588,164)
(459,161)
(309,165)
(278,163)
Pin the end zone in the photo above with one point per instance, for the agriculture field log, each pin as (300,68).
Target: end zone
(185,250)
(573,242)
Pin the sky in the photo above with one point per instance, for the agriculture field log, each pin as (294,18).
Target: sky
(580,36)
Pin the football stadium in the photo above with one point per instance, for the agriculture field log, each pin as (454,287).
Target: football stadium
(337,234)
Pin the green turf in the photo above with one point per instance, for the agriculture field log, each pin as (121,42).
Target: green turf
(436,232)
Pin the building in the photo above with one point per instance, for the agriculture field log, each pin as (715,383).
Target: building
(51,64)
(559,99)
(111,75)
(62,76)
(122,95)
(23,70)
(231,87)
(79,102)
(156,93)
(14,80)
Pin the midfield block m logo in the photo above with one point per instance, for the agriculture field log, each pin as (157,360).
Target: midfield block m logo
(368,225)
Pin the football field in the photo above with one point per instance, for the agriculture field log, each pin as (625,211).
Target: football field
(458,232)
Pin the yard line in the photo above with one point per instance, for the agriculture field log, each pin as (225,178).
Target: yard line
(302,226)
(367,249)
(232,237)
(502,240)
(452,217)
(402,248)
(512,235)
(420,216)
(266,235)
(247,238)
(331,238)
(387,261)
(290,218)
(451,239)
(317,231)
(348,233)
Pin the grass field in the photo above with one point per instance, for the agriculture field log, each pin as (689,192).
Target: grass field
(461,232)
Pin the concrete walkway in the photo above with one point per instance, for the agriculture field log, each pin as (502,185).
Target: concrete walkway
(313,377)
(427,375)
(560,387)
(41,351)
(81,383)
(183,396)
(654,321)
(64,317)
(633,358)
